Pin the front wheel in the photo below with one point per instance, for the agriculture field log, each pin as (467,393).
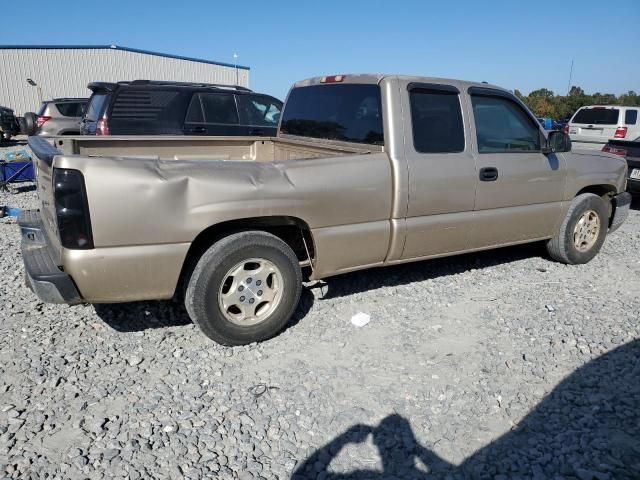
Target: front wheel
(582,232)
(244,288)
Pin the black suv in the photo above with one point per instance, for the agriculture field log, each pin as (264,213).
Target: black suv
(8,124)
(146,107)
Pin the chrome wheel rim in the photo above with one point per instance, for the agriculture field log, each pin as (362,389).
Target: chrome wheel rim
(586,231)
(250,291)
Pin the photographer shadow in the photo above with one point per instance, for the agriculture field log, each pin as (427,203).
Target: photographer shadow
(587,428)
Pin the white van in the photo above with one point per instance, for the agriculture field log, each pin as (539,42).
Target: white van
(594,125)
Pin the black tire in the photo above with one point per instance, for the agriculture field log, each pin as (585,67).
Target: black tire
(30,123)
(206,281)
(562,247)
(22,125)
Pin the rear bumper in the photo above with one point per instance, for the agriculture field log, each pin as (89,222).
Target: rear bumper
(44,277)
(622,203)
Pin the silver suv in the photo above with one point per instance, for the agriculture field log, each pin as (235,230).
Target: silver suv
(60,116)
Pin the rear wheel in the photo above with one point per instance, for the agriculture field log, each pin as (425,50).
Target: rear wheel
(583,231)
(244,288)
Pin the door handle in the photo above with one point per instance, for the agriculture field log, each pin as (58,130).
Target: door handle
(197,130)
(488,174)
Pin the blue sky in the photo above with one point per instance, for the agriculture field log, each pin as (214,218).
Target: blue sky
(523,45)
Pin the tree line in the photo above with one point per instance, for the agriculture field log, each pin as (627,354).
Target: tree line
(545,103)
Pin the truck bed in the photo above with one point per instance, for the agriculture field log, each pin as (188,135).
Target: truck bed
(260,149)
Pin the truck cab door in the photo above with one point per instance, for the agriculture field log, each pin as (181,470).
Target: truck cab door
(520,190)
(442,171)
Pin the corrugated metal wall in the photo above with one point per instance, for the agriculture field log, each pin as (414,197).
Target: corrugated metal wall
(66,72)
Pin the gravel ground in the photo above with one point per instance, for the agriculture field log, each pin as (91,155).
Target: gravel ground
(494,365)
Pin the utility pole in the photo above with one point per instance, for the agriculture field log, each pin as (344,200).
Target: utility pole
(570,75)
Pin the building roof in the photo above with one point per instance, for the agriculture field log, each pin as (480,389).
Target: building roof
(117,47)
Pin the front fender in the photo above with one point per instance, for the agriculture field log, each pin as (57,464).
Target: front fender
(592,168)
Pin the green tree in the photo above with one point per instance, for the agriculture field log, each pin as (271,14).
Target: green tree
(544,103)
(542,93)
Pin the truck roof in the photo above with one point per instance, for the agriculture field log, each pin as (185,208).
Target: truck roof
(378,77)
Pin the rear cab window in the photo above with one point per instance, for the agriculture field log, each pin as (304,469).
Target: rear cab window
(345,112)
(597,116)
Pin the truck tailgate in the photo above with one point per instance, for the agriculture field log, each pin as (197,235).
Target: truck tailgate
(43,163)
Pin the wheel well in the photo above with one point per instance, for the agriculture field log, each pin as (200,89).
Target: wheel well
(291,230)
(600,190)
(605,191)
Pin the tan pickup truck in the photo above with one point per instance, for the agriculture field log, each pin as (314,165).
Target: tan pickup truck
(366,171)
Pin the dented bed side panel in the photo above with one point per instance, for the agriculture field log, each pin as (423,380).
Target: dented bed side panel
(139,201)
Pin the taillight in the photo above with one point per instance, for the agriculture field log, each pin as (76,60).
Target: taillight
(621,132)
(616,151)
(102,127)
(72,209)
(41,120)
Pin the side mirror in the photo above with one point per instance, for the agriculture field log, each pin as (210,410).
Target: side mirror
(557,142)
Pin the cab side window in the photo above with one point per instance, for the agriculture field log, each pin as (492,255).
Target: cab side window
(503,126)
(436,120)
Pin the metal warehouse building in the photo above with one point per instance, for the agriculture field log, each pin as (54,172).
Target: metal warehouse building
(32,73)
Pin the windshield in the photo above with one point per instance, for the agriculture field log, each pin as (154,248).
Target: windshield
(597,116)
(96,106)
(347,112)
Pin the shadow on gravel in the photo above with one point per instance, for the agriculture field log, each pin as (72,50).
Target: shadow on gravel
(23,188)
(15,142)
(139,316)
(587,428)
(356,282)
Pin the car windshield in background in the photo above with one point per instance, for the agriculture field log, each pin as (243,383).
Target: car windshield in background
(96,105)
(597,116)
(347,112)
